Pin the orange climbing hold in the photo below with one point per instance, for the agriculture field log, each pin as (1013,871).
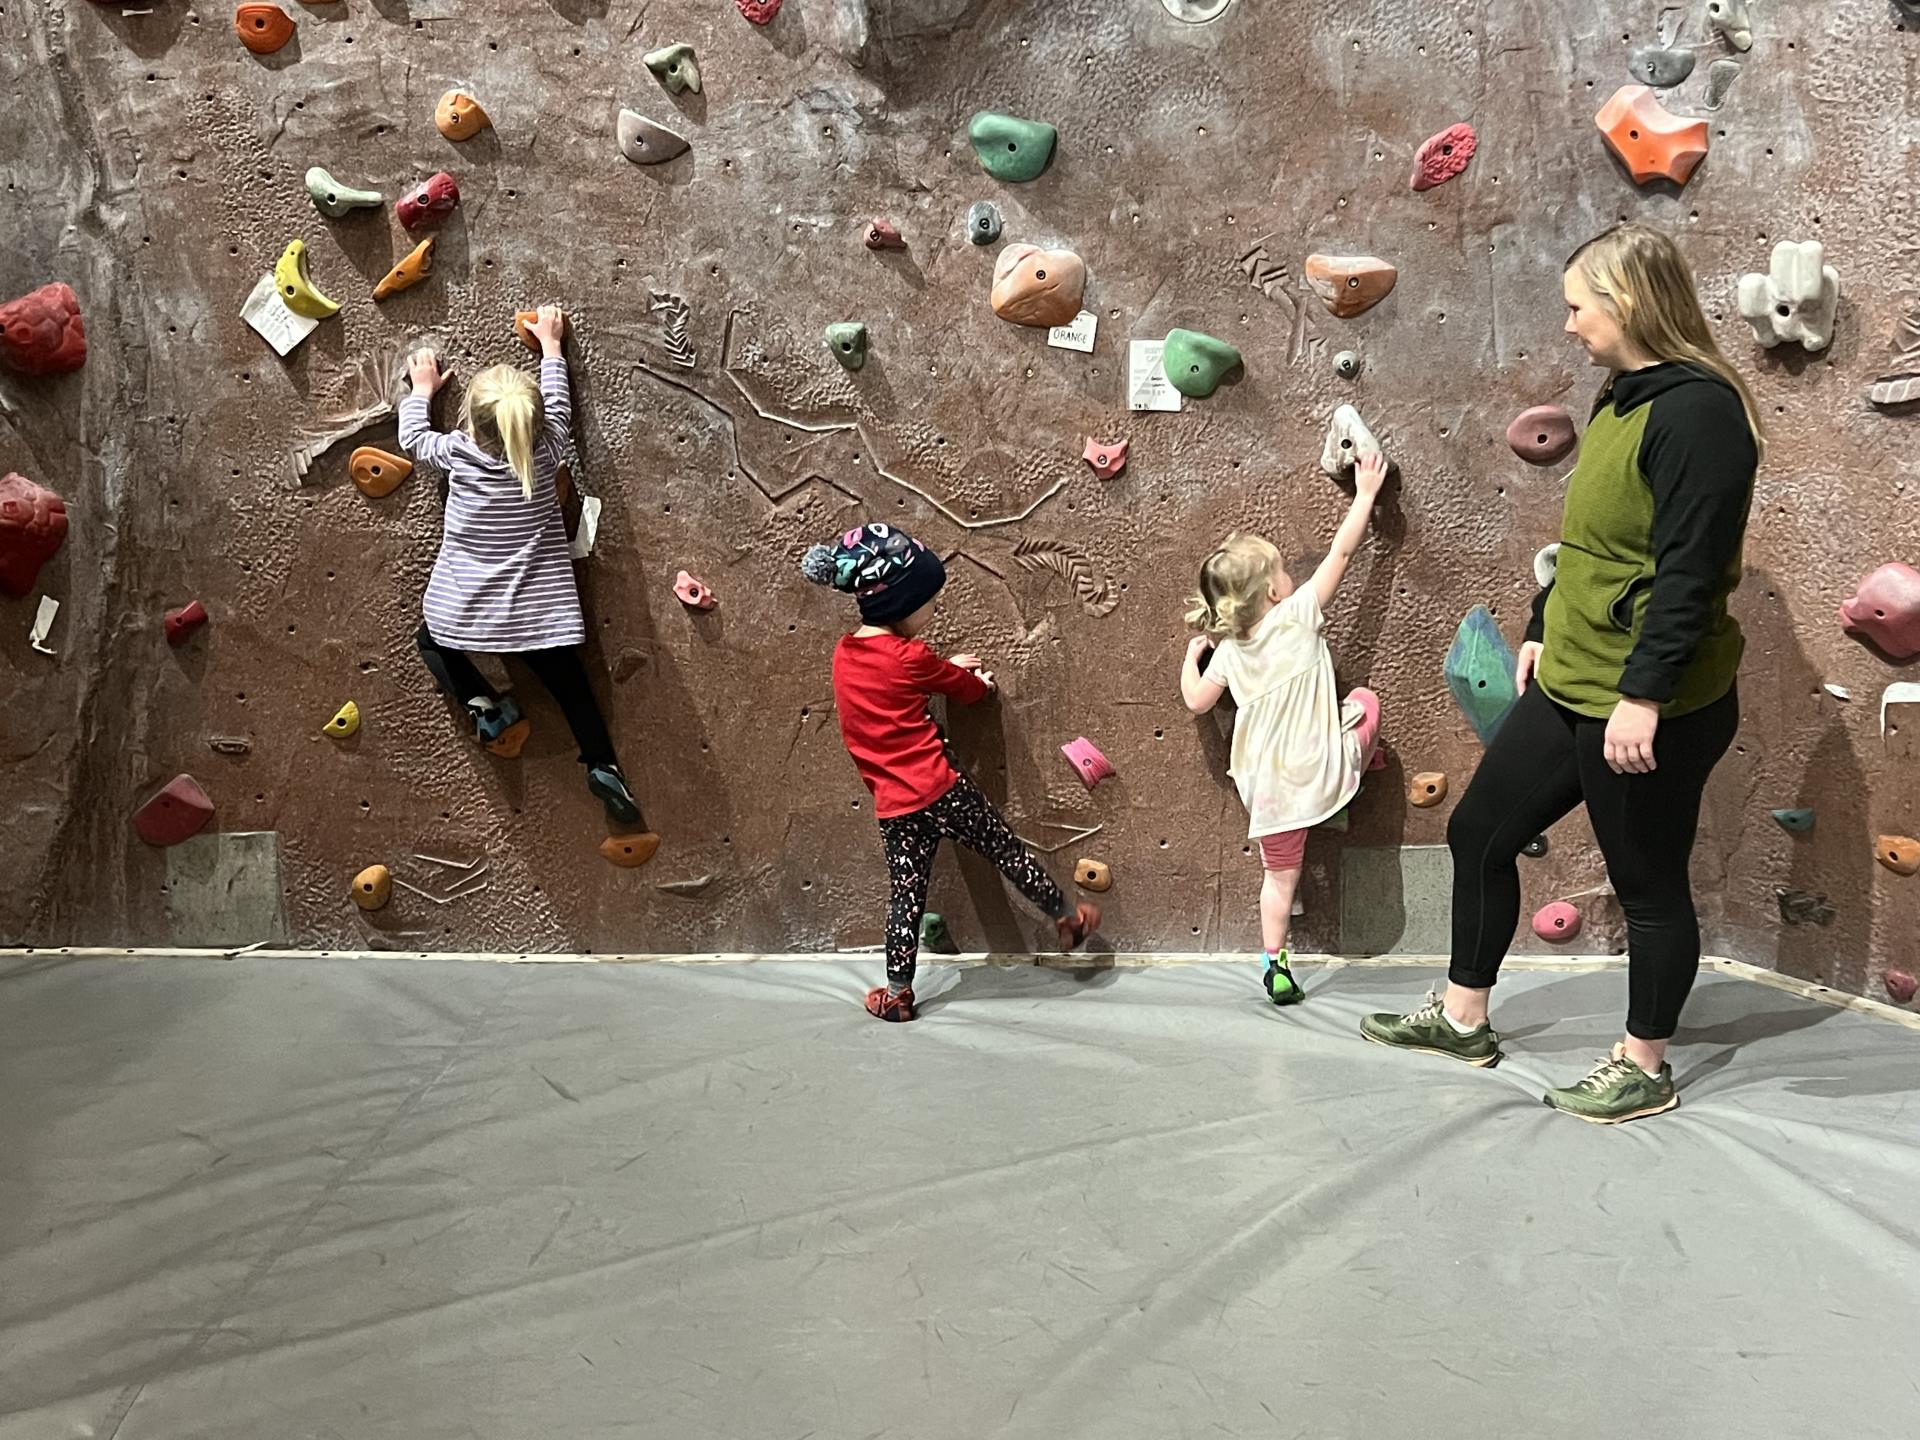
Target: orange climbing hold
(373,887)
(1651,141)
(263,29)
(1898,853)
(630,852)
(1428,789)
(459,116)
(376,471)
(409,272)
(523,327)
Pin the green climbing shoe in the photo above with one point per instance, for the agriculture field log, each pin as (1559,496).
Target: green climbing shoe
(1278,982)
(1617,1090)
(1429,1030)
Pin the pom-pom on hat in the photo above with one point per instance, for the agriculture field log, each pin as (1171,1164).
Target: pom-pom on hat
(887,570)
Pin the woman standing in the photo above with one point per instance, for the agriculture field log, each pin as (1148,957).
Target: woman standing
(1631,654)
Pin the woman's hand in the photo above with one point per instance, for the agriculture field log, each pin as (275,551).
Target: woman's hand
(1629,747)
(549,324)
(1369,475)
(423,369)
(1526,663)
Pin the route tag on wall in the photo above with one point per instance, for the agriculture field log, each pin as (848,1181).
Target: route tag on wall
(1147,385)
(1077,336)
(266,312)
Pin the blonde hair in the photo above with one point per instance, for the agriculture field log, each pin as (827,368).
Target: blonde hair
(1233,586)
(502,411)
(1645,284)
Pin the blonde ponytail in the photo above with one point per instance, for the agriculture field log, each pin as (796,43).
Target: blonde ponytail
(1233,586)
(503,413)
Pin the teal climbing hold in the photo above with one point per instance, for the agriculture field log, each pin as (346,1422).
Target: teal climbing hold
(848,342)
(1011,148)
(332,199)
(1798,821)
(1480,672)
(934,935)
(1196,363)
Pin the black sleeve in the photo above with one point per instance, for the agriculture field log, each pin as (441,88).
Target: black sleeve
(1537,623)
(1699,459)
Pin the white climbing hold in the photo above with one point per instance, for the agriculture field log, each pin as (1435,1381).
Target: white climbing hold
(1839,692)
(1731,19)
(1796,298)
(1348,441)
(43,624)
(1546,564)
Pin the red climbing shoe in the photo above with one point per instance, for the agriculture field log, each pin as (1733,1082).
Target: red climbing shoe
(1076,927)
(890,1007)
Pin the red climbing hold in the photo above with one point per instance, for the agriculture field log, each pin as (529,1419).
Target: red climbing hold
(1542,435)
(177,813)
(183,622)
(1444,156)
(33,525)
(1885,607)
(1089,763)
(1558,921)
(1900,984)
(41,333)
(881,235)
(693,593)
(429,202)
(760,12)
(1107,457)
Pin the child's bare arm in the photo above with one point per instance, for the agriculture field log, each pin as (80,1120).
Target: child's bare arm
(1368,476)
(1200,693)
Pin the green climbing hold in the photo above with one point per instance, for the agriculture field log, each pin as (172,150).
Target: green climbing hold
(848,342)
(934,936)
(1010,148)
(1341,819)
(676,66)
(1196,363)
(1480,672)
(1798,821)
(332,199)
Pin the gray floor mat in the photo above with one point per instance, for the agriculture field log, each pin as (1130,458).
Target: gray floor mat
(387,1199)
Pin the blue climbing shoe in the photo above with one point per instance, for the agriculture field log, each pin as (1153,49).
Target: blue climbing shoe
(503,729)
(610,785)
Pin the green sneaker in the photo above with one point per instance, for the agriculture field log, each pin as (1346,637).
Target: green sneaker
(1278,982)
(1429,1030)
(1617,1090)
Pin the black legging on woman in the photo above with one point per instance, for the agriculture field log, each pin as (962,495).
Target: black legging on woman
(1545,760)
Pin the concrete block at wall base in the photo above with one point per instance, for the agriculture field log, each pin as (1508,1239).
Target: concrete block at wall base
(1396,900)
(224,890)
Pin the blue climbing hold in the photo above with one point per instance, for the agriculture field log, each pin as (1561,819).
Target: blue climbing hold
(1480,672)
(1797,821)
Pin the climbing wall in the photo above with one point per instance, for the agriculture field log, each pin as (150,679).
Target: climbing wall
(156,164)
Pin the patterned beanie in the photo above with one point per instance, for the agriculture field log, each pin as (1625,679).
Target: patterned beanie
(887,570)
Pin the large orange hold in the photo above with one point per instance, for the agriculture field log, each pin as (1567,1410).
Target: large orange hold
(263,29)
(1039,287)
(1350,284)
(459,116)
(376,472)
(417,265)
(1651,141)
(630,852)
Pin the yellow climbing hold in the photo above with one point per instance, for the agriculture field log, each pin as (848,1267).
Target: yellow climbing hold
(346,721)
(296,286)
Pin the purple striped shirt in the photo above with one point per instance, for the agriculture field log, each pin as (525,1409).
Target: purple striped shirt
(504,578)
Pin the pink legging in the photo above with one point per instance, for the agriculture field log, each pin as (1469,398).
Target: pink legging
(1287,850)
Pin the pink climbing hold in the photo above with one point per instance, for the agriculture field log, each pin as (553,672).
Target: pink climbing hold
(33,525)
(183,622)
(429,202)
(1107,457)
(1901,985)
(179,812)
(760,12)
(693,593)
(1088,762)
(42,333)
(1542,435)
(882,235)
(1444,156)
(1885,607)
(1558,921)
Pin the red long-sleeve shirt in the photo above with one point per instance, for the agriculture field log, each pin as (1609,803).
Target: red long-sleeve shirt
(880,685)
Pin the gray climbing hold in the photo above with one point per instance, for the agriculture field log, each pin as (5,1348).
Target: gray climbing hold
(983,222)
(1720,77)
(848,342)
(676,66)
(1731,20)
(1798,907)
(1195,12)
(1536,847)
(1799,822)
(1909,9)
(1346,364)
(332,199)
(645,143)
(1660,68)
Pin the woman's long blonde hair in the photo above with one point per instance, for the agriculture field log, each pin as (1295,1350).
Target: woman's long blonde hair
(1645,283)
(503,413)
(1233,586)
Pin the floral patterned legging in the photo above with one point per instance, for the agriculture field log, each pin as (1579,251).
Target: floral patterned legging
(911,841)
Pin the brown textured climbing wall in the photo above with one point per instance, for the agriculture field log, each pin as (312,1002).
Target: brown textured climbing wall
(156,166)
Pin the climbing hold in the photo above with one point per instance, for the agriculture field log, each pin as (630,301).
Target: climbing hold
(1088,763)
(1350,284)
(1898,853)
(1480,672)
(373,887)
(1796,298)
(1729,18)
(848,342)
(935,936)
(1797,907)
(881,235)
(645,143)
(376,472)
(760,12)
(263,29)
(182,623)
(33,525)
(1443,156)
(1092,875)
(429,202)
(1909,9)
(1107,457)
(408,272)
(1900,984)
(1196,363)
(296,286)
(1651,141)
(693,593)
(179,812)
(1542,435)
(345,721)
(1901,382)
(332,199)
(1038,287)
(458,116)
(1885,607)
(1546,564)
(1799,822)
(1195,12)
(41,333)
(1346,365)
(1536,848)
(1659,67)
(983,222)
(629,852)
(1010,148)
(1348,442)
(1558,921)
(1720,77)
(676,66)
(230,744)
(523,322)
(1428,789)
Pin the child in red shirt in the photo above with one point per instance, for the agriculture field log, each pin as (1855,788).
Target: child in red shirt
(882,676)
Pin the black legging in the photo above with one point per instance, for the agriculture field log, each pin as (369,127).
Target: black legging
(1543,761)
(560,669)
